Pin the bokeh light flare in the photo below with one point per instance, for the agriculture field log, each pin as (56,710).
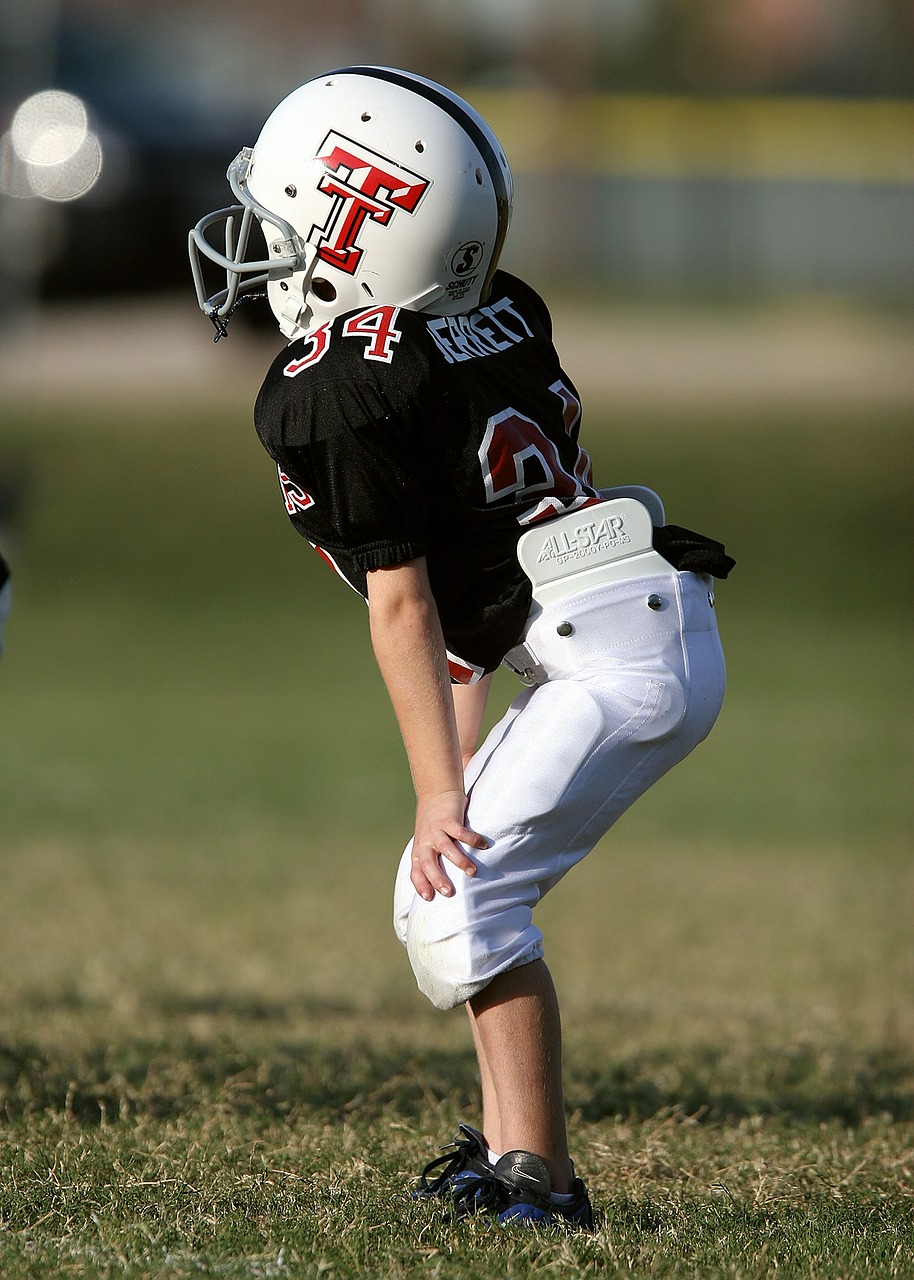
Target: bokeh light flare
(50,151)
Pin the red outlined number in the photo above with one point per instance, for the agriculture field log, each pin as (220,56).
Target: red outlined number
(518,459)
(571,412)
(379,325)
(317,343)
(293,495)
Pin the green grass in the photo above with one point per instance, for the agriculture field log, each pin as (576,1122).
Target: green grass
(213,1060)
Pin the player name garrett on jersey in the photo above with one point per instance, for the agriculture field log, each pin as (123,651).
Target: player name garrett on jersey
(398,435)
(487,331)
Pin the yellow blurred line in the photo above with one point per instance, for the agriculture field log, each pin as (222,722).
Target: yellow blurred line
(824,139)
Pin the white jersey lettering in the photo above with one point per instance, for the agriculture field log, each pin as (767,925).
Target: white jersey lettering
(484,333)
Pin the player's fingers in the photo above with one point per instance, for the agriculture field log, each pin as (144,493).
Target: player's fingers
(452,851)
(472,838)
(427,868)
(429,878)
(457,832)
(421,883)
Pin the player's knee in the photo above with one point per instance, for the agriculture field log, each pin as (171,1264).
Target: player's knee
(441,964)
(453,965)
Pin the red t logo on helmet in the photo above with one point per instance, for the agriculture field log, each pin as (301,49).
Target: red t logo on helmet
(361,184)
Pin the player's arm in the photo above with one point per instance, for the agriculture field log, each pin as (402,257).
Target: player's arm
(469,709)
(409,647)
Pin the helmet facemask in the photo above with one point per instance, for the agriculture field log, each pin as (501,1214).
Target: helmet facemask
(288,254)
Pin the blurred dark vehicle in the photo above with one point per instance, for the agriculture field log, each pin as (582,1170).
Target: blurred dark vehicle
(168,129)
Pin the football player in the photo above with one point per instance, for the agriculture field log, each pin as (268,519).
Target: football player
(6,596)
(426,442)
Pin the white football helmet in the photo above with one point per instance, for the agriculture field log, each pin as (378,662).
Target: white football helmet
(372,185)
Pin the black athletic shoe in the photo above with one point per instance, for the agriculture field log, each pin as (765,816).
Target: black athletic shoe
(466,1160)
(517,1190)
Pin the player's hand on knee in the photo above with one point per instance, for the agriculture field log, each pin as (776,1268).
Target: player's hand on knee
(440,833)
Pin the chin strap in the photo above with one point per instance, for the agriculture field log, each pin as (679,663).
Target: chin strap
(295,316)
(221,323)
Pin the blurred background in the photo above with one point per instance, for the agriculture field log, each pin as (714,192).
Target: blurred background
(724,155)
(700,147)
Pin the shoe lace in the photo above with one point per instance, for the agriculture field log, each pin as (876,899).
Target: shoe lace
(477,1193)
(449,1164)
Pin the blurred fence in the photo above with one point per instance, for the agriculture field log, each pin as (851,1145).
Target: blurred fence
(759,147)
(662,196)
(666,195)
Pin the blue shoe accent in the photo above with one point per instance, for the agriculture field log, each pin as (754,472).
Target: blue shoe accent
(516,1192)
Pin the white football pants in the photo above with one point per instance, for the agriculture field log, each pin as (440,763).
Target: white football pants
(634,679)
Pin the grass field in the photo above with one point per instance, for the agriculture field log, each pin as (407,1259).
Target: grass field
(213,1060)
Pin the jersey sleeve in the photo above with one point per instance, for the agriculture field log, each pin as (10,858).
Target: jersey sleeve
(350,459)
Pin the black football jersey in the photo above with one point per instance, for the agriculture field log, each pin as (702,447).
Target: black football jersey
(397,435)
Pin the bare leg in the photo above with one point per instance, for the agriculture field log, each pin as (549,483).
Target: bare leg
(518,1037)
(491,1120)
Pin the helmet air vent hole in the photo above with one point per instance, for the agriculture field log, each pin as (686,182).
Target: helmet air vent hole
(479,176)
(323,289)
(367,289)
(420,146)
(366,115)
(291,191)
